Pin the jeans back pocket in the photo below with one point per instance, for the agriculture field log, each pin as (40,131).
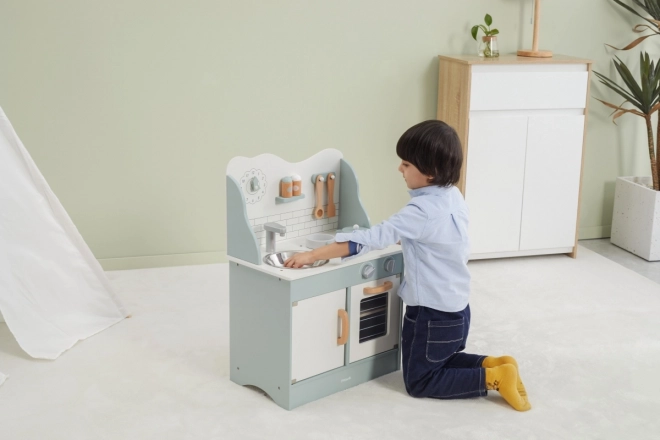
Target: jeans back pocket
(443,339)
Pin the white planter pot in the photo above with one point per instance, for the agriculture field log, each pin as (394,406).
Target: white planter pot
(636,219)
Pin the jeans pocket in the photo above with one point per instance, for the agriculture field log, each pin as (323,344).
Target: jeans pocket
(444,338)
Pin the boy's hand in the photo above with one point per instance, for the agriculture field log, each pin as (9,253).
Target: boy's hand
(299,260)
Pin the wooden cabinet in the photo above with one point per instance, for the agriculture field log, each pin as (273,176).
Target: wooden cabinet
(521,122)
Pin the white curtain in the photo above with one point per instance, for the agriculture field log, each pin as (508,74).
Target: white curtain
(53,292)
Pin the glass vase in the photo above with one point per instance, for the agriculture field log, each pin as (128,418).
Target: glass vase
(490,48)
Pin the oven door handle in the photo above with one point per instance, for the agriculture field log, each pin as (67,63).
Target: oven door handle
(343,315)
(387,285)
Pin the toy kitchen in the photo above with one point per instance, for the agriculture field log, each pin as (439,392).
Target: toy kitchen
(303,334)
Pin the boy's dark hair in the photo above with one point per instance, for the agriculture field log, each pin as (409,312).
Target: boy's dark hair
(435,149)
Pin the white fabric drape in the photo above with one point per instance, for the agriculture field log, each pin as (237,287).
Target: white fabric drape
(53,292)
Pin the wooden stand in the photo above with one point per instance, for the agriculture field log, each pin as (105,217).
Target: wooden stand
(535,52)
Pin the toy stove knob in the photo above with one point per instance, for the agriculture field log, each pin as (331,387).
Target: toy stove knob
(368,270)
(390,265)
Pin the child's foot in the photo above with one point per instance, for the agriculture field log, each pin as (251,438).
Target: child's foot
(504,379)
(491,362)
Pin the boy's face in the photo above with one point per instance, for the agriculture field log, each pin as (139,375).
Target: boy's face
(413,177)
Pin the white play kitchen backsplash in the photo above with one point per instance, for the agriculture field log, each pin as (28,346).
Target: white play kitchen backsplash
(260,181)
(298,223)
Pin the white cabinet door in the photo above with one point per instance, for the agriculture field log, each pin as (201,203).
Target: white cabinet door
(552,181)
(315,328)
(494,181)
(374,319)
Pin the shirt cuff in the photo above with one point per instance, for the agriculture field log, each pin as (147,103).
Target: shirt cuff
(356,249)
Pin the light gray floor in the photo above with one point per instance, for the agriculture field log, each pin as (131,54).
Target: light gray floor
(602,246)
(585,332)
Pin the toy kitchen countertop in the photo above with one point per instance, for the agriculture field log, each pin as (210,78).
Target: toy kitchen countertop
(303,334)
(297,245)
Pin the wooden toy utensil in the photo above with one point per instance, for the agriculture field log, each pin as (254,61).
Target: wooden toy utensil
(331,195)
(318,210)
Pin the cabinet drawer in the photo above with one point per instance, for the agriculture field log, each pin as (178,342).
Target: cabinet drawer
(492,90)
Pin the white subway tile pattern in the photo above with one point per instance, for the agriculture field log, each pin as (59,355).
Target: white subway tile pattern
(298,224)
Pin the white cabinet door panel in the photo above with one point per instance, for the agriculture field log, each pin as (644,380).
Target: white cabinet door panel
(494,181)
(361,350)
(315,329)
(552,182)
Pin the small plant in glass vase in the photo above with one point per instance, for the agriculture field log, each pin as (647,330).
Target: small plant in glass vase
(488,48)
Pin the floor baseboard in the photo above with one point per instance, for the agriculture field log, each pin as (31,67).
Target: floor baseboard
(150,261)
(592,232)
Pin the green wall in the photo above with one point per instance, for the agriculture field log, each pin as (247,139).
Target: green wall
(132,109)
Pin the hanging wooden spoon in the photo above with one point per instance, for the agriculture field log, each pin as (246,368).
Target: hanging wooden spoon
(318,210)
(331,195)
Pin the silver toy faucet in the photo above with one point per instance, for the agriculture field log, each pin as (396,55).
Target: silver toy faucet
(271,229)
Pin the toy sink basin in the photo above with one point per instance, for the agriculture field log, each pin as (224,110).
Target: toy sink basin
(277,259)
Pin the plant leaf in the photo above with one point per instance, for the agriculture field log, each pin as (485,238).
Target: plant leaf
(620,111)
(651,7)
(474,31)
(640,28)
(488,19)
(618,89)
(634,43)
(629,80)
(623,5)
(494,32)
(644,95)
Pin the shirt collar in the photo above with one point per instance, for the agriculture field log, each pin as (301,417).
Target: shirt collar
(434,190)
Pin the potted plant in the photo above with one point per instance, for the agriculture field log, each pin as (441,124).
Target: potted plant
(636,217)
(490,49)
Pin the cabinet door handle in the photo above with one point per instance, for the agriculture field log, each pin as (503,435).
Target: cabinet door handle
(343,315)
(387,285)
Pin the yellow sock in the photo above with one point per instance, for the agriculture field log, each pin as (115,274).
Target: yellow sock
(504,379)
(492,361)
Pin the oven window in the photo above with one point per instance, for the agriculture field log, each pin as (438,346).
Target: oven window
(373,317)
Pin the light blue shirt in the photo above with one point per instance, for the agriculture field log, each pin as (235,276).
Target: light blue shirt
(433,230)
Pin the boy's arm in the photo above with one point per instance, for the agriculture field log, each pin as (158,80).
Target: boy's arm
(330,251)
(326,252)
(409,223)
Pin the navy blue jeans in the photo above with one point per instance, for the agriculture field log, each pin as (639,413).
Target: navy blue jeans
(433,365)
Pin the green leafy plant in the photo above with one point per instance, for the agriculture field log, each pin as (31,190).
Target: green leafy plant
(491,49)
(652,8)
(645,95)
(486,29)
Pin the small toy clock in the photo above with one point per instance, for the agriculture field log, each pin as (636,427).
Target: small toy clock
(253,183)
